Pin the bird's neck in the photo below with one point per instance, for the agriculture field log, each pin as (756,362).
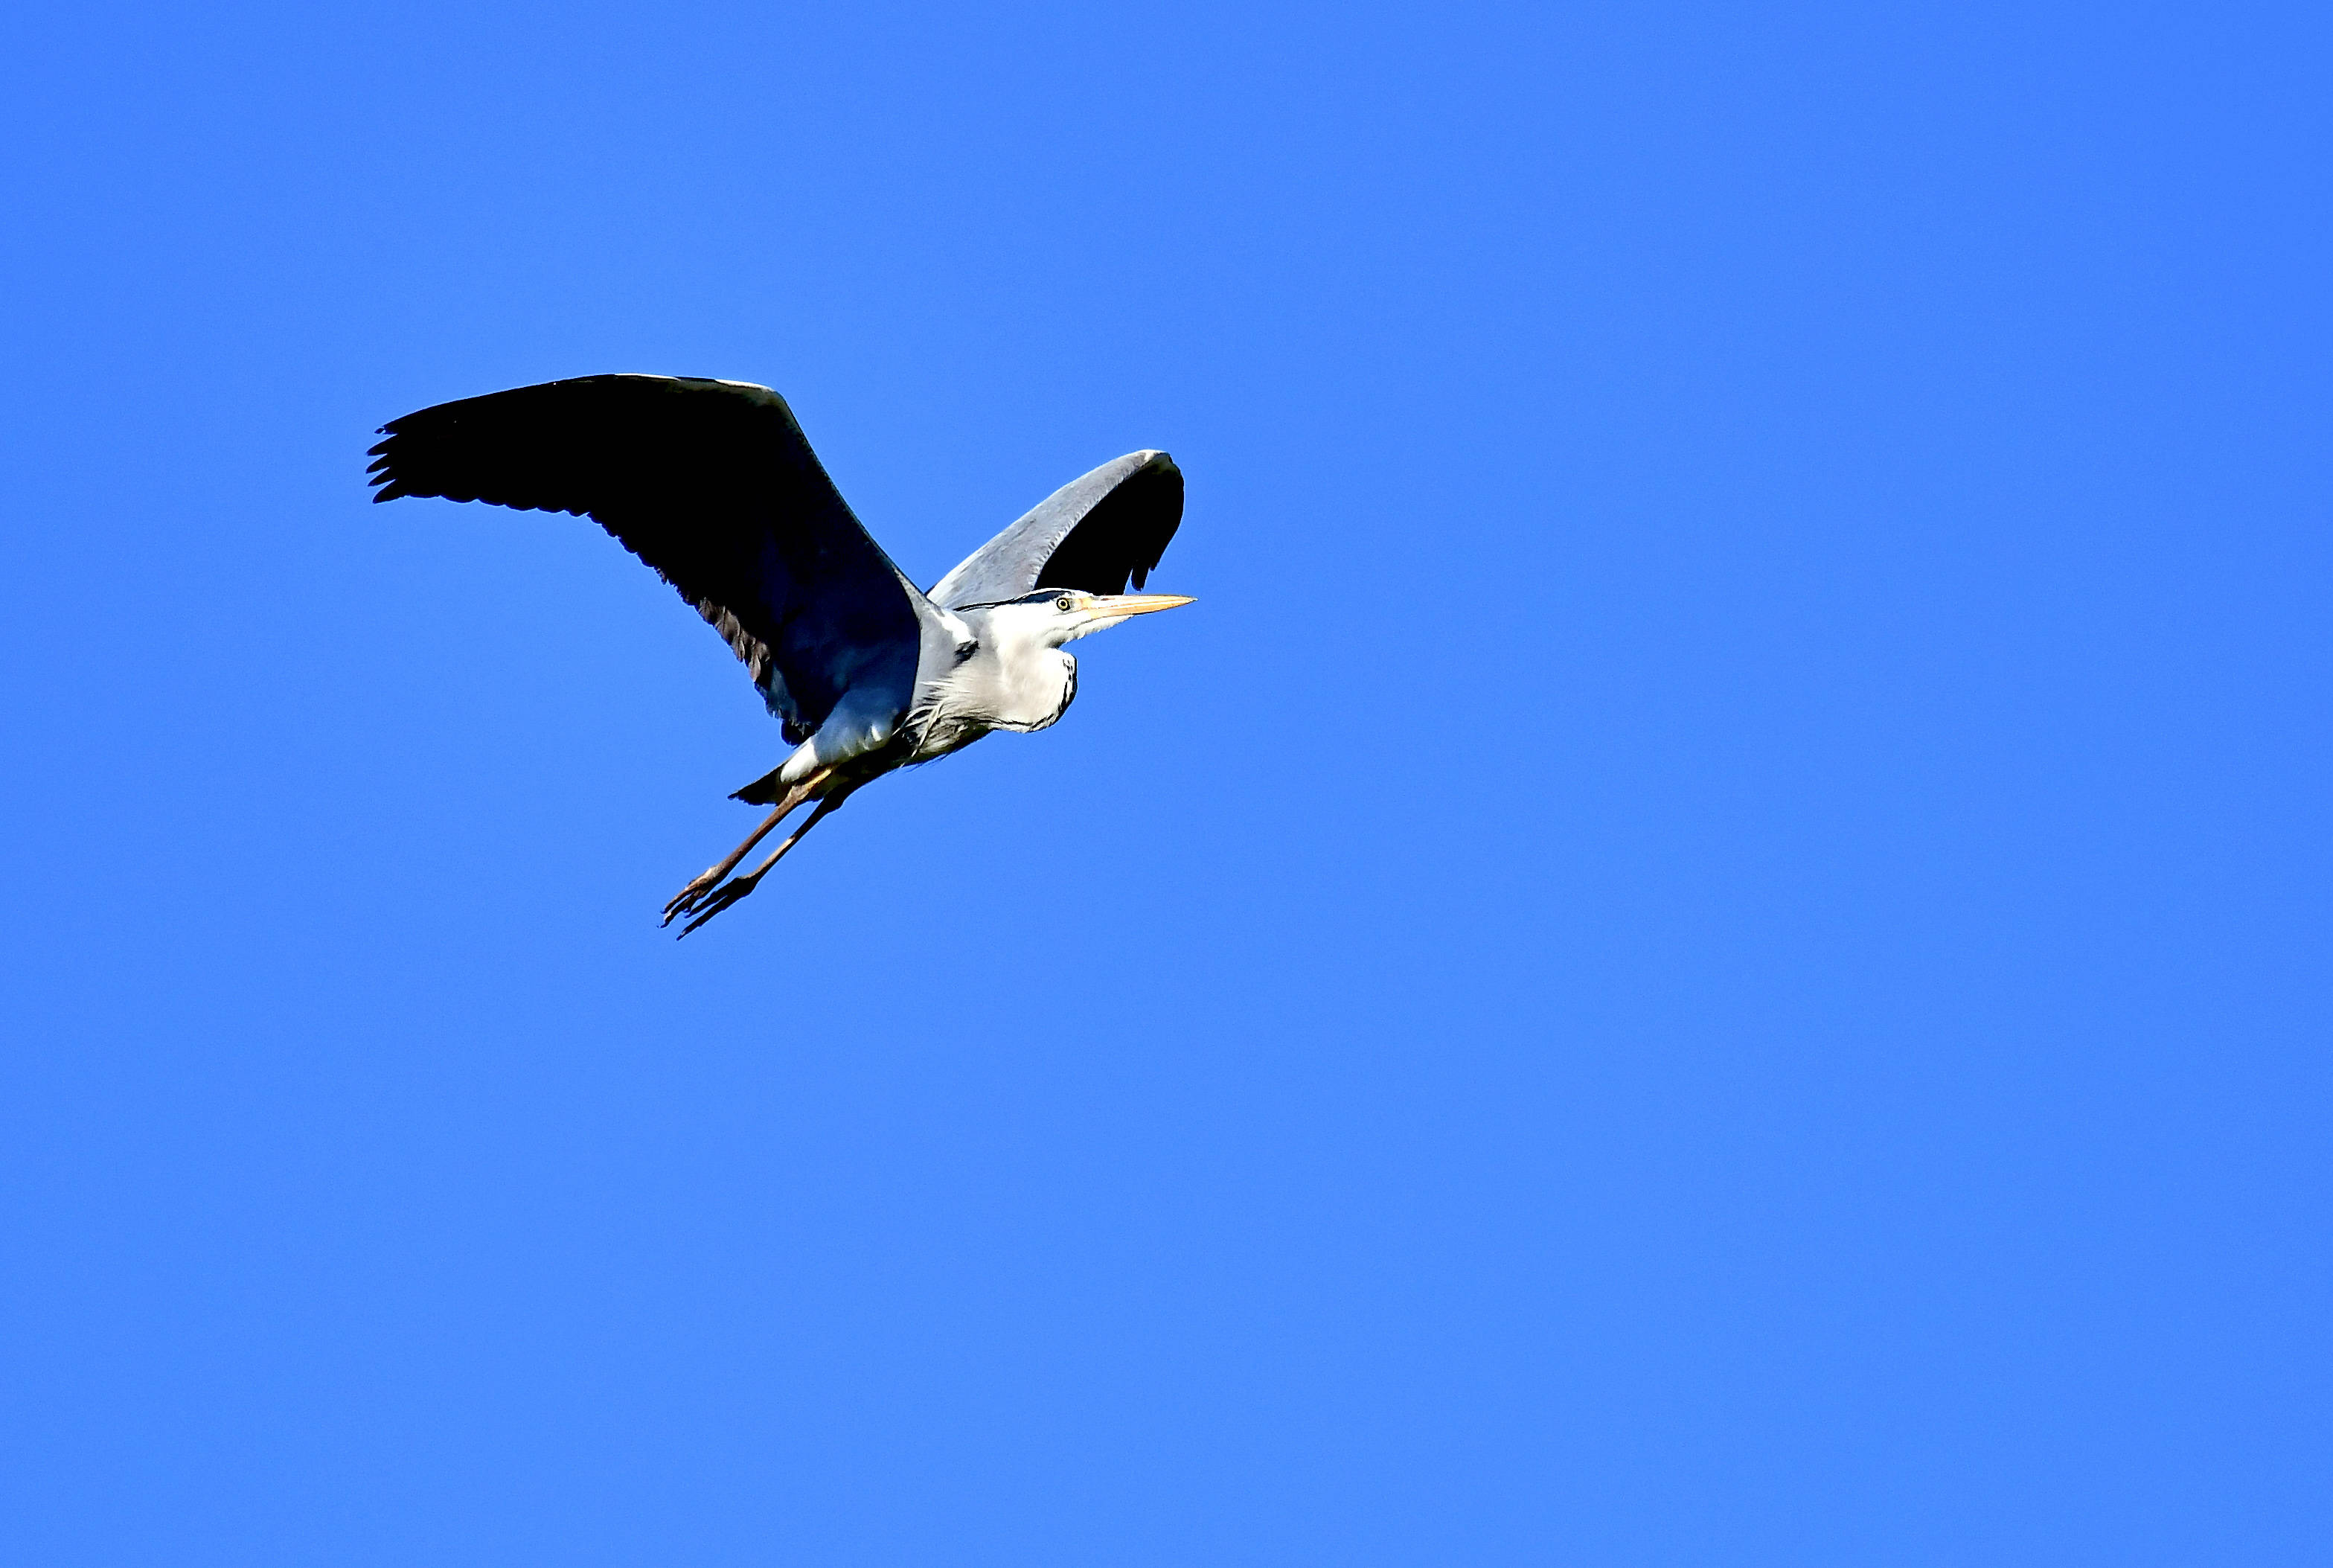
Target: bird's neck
(1019,678)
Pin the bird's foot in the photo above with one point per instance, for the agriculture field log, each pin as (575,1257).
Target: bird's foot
(721,898)
(691,895)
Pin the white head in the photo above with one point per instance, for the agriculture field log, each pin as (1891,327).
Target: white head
(1049,616)
(1010,672)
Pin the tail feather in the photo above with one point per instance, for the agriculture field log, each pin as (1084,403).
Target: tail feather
(764,790)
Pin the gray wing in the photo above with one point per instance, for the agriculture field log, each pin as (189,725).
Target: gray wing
(1092,534)
(711,482)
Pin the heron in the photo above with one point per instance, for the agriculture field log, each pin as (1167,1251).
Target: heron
(713,485)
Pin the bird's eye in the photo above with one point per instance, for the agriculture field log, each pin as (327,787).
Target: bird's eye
(1064,603)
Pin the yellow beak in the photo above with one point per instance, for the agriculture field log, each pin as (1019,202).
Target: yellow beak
(1114,605)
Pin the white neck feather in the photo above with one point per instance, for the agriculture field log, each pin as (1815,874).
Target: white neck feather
(1019,678)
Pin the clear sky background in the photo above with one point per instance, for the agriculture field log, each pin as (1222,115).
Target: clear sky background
(1710,946)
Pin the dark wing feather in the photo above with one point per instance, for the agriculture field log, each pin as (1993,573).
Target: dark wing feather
(711,482)
(1094,534)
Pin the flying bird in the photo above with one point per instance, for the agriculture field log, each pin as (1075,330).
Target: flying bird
(714,485)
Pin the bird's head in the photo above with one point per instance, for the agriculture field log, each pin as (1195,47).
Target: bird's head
(1050,617)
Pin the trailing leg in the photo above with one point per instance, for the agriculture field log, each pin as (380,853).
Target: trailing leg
(729,892)
(691,895)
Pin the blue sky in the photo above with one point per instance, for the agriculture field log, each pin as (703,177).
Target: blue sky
(1709,947)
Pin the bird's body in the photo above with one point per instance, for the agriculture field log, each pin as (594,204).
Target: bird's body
(712,484)
(1001,666)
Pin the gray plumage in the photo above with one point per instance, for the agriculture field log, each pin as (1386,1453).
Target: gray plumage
(1132,506)
(712,484)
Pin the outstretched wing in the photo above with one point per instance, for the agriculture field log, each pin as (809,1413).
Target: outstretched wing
(711,482)
(1092,534)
